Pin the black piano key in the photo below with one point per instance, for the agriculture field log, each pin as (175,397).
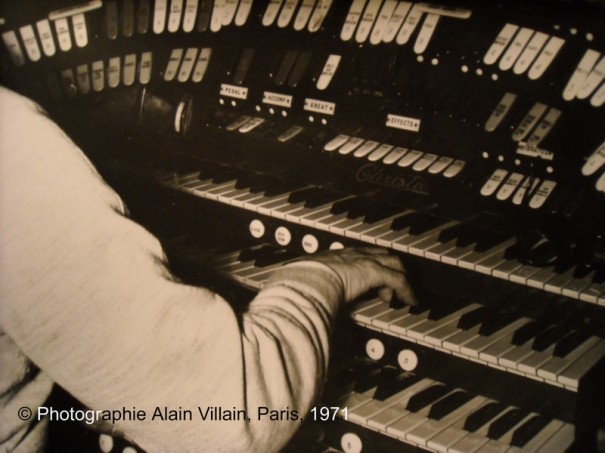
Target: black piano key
(449,404)
(529,331)
(570,342)
(497,322)
(256,252)
(599,276)
(483,415)
(278,256)
(378,214)
(548,337)
(442,310)
(472,318)
(454,232)
(406,221)
(505,423)
(369,379)
(528,430)
(340,207)
(428,222)
(394,384)
(426,397)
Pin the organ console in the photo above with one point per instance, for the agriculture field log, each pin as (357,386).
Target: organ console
(465,136)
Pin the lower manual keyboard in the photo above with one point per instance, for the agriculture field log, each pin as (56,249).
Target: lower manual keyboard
(437,417)
(276,203)
(568,357)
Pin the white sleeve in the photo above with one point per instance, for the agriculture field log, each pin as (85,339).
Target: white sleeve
(86,296)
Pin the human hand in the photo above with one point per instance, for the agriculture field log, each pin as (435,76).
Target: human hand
(364,268)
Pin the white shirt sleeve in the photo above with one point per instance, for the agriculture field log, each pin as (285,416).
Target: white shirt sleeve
(85,294)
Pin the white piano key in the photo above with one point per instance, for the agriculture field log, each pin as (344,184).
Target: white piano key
(556,365)
(407,243)
(571,375)
(46,37)
(440,434)
(531,363)
(29,41)
(512,358)
(425,328)
(402,427)
(560,441)
(458,340)
(500,43)
(577,285)
(439,249)
(387,318)
(396,20)
(409,24)
(397,407)
(533,445)
(521,274)
(493,257)
(474,347)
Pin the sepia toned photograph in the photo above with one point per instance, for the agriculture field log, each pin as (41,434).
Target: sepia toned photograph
(302,226)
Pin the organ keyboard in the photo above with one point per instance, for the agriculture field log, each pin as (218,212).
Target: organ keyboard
(464,136)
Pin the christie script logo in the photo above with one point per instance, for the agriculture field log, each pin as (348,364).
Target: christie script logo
(379,175)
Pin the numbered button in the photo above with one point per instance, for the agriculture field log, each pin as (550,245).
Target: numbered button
(283,236)
(351,443)
(257,229)
(375,349)
(407,360)
(105,443)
